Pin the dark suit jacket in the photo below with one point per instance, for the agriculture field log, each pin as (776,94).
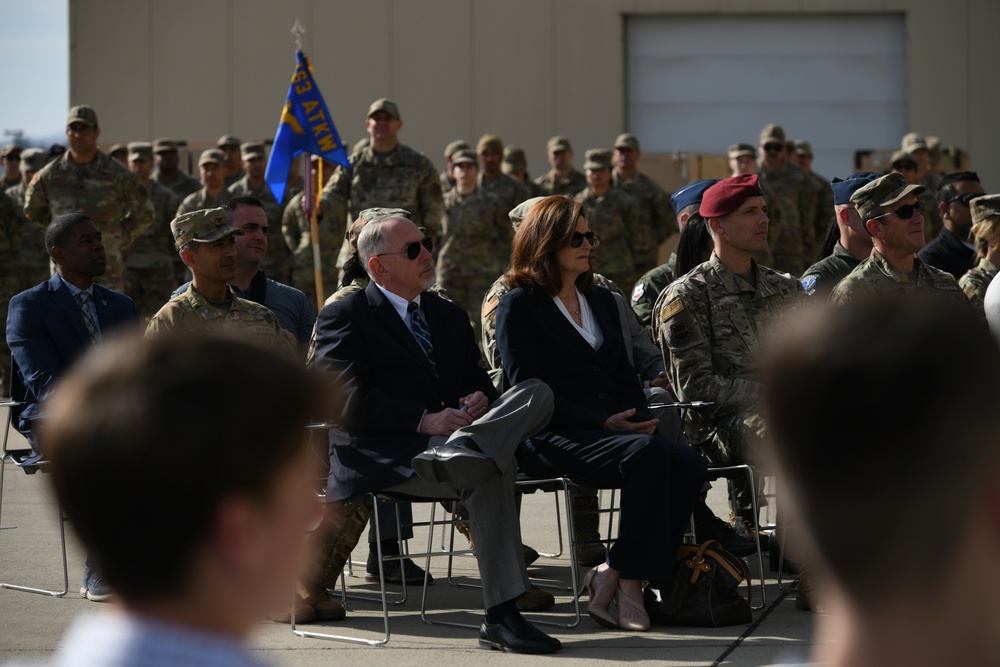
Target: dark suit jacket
(389,383)
(537,341)
(46,334)
(948,253)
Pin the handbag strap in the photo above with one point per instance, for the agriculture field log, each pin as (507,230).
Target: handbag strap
(713,549)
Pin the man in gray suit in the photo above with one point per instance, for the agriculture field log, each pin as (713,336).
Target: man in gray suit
(424,420)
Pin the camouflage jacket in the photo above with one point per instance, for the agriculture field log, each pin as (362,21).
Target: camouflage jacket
(824,210)
(192,312)
(877,277)
(794,240)
(657,215)
(554,184)
(712,326)
(823,276)
(155,246)
(612,216)
(201,199)
(31,259)
(10,234)
(231,180)
(932,213)
(182,184)
(402,178)
(103,190)
(508,190)
(243,188)
(446,182)
(297,230)
(975,282)
(475,236)
(648,288)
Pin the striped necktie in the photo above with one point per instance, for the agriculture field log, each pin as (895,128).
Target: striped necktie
(421,332)
(83,298)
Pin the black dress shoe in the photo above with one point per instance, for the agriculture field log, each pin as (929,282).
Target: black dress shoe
(515,635)
(395,570)
(457,462)
(707,526)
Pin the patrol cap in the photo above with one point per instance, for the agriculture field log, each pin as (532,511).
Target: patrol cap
(985,207)
(518,213)
(386,105)
(140,151)
(627,141)
(118,148)
(164,145)
(82,114)
(32,159)
(203,226)
(212,155)
(883,191)
(691,193)
(728,195)
(902,156)
(454,147)
(513,160)
(558,143)
(803,147)
(252,149)
(913,141)
(12,151)
(489,142)
(843,188)
(934,148)
(465,155)
(739,150)
(228,140)
(772,133)
(597,158)
(366,216)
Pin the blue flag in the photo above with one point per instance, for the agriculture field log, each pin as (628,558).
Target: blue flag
(305,127)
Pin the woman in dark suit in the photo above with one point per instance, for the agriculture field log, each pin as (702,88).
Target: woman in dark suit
(556,326)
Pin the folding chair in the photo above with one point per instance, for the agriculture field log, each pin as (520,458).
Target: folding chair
(730,472)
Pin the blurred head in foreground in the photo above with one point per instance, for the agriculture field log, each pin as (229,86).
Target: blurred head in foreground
(885,422)
(192,502)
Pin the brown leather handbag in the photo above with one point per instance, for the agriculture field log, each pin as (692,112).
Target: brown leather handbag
(704,591)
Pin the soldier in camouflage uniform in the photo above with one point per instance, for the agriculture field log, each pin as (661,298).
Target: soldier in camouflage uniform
(714,321)
(889,209)
(205,240)
(562,179)
(507,189)
(10,282)
(854,246)
(916,146)
(233,166)
(296,228)
(10,155)
(32,260)
(386,174)
(986,230)
(86,180)
(515,165)
(743,161)
(278,263)
(656,219)
(447,182)
(794,246)
(167,172)
(824,195)
(475,238)
(611,214)
(149,263)
(213,193)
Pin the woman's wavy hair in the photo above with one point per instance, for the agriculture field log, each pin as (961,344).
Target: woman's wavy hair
(546,229)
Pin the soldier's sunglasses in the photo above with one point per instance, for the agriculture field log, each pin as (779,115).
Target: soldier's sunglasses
(903,212)
(966,198)
(593,239)
(412,250)
(774,148)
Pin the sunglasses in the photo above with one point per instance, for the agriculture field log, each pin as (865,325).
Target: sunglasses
(412,250)
(903,212)
(965,199)
(905,166)
(774,148)
(593,239)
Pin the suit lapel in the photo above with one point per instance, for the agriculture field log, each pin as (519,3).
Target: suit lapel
(562,327)
(384,312)
(62,298)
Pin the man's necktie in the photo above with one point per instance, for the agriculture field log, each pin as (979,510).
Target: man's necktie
(421,332)
(83,298)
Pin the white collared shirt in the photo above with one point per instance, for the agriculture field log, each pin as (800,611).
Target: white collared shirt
(590,329)
(400,305)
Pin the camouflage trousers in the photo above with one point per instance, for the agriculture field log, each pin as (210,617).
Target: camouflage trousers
(337,536)
(732,443)
(150,287)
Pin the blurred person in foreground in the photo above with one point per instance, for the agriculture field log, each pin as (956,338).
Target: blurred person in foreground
(936,603)
(136,412)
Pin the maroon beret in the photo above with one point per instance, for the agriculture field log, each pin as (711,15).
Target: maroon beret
(728,195)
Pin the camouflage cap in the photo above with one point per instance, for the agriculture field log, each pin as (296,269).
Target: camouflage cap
(118,148)
(386,105)
(12,151)
(212,155)
(514,160)
(934,148)
(82,114)
(489,142)
(558,143)
(597,158)
(739,150)
(164,145)
(228,140)
(518,213)
(984,208)
(140,151)
(913,141)
(465,155)
(253,149)
(901,156)
(203,226)
(627,141)
(32,159)
(368,215)
(885,191)
(454,147)
(771,133)
(803,147)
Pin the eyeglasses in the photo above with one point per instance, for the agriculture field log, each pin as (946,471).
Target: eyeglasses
(774,148)
(903,212)
(412,250)
(966,198)
(593,239)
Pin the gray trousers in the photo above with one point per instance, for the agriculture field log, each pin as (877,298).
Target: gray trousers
(522,411)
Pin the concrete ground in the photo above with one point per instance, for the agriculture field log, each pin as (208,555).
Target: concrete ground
(31,625)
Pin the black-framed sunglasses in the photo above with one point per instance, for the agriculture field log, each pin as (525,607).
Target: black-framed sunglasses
(577,240)
(903,212)
(966,198)
(774,148)
(412,250)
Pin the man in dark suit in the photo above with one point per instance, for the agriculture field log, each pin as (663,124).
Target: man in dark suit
(50,325)
(425,419)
